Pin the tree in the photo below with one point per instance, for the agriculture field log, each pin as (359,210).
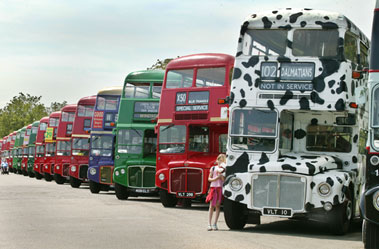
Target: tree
(160,64)
(22,110)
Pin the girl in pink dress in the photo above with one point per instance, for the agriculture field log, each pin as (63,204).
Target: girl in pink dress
(216,178)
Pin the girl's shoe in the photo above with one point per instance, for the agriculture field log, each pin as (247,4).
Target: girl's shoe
(214,227)
(209,228)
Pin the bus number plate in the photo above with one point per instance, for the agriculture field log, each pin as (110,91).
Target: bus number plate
(277,212)
(185,194)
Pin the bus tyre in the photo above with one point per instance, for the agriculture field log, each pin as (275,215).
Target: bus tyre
(48,177)
(38,176)
(75,183)
(168,200)
(30,174)
(105,187)
(19,172)
(340,217)
(235,214)
(24,173)
(122,192)
(94,187)
(59,179)
(11,170)
(370,232)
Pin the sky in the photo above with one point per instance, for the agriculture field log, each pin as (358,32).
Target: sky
(65,50)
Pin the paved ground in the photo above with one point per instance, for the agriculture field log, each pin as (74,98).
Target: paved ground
(39,214)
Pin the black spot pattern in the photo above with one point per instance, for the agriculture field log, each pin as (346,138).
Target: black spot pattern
(330,181)
(303,24)
(293,17)
(247,77)
(340,105)
(242,103)
(300,133)
(237,73)
(240,198)
(278,17)
(309,206)
(287,96)
(252,62)
(227,193)
(327,25)
(304,104)
(266,23)
(331,83)
(339,180)
(247,188)
(288,167)
(314,121)
(316,98)
(355,139)
(242,93)
(311,168)
(264,159)
(244,28)
(240,165)
(270,105)
(313,185)
(336,200)
(290,157)
(262,169)
(355,160)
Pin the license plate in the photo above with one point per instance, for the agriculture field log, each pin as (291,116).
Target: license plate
(142,190)
(286,212)
(185,194)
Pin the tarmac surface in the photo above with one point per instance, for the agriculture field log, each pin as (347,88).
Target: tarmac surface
(39,214)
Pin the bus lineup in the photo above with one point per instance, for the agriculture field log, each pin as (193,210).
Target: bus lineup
(295,111)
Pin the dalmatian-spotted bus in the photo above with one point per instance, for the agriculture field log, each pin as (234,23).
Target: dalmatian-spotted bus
(298,119)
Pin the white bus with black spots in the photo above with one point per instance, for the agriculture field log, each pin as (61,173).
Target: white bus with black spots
(370,198)
(298,119)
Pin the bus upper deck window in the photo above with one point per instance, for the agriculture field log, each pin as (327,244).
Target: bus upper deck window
(179,78)
(157,89)
(210,77)
(315,42)
(265,42)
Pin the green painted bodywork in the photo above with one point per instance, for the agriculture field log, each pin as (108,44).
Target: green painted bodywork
(126,120)
(17,145)
(32,140)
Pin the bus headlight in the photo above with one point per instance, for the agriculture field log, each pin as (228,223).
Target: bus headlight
(57,167)
(161,176)
(92,171)
(122,171)
(324,189)
(375,200)
(73,168)
(117,173)
(374,160)
(236,184)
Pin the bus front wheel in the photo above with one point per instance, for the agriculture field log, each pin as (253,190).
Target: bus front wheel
(59,179)
(370,232)
(31,174)
(122,192)
(235,214)
(340,217)
(94,187)
(74,182)
(38,176)
(167,200)
(48,177)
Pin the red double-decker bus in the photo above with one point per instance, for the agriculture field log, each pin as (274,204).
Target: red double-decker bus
(39,159)
(25,150)
(192,124)
(63,151)
(50,145)
(12,139)
(80,140)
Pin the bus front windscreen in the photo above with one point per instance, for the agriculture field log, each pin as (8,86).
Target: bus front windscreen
(68,116)
(107,103)
(50,149)
(80,146)
(172,139)
(63,148)
(130,141)
(101,145)
(254,129)
(32,151)
(53,122)
(40,150)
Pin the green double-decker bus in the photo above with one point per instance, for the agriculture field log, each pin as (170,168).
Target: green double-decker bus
(17,150)
(32,148)
(135,150)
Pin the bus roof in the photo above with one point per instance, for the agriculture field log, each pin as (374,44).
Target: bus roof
(69,108)
(29,126)
(55,114)
(35,123)
(145,76)
(44,120)
(200,60)
(301,18)
(89,100)
(112,90)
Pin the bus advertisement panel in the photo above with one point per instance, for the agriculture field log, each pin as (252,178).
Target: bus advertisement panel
(39,159)
(135,152)
(63,148)
(80,140)
(102,139)
(297,134)
(192,125)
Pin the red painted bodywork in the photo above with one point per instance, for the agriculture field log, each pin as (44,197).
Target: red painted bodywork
(10,147)
(50,160)
(188,171)
(39,159)
(62,162)
(80,162)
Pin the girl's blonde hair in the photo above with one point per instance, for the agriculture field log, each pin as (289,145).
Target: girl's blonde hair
(221,158)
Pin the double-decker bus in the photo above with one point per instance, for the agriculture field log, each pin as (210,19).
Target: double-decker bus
(80,141)
(63,150)
(297,134)
(370,196)
(39,159)
(101,161)
(18,150)
(32,149)
(192,125)
(50,145)
(12,139)
(135,160)
(25,150)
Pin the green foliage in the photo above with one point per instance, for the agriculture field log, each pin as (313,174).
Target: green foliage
(160,64)
(22,110)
